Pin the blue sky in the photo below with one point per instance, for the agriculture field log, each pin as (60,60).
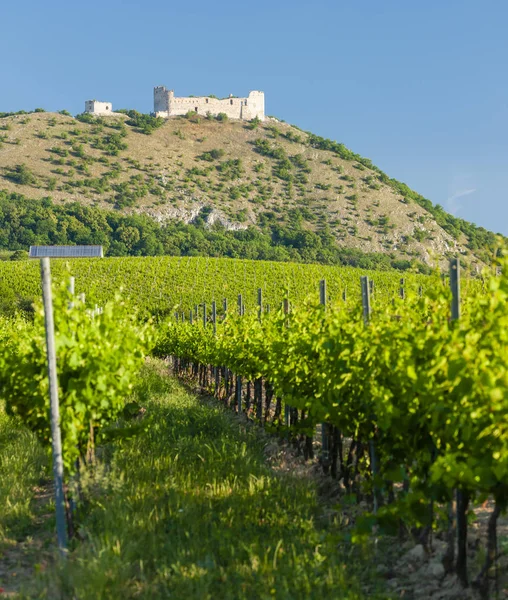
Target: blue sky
(420,87)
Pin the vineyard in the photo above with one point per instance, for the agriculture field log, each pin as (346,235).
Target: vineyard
(397,388)
(163,285)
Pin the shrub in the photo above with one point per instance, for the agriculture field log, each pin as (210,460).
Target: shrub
(222,117)
(254,123)
(214,154)
(143,123)
(21,175)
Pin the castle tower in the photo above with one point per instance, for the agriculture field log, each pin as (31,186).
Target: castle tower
(95,107)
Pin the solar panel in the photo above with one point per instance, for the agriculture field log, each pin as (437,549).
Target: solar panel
(66,252)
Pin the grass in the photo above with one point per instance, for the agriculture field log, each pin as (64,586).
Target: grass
(26,518)
(188,508)
(23,467)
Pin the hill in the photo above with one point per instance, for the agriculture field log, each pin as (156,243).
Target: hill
(269,184)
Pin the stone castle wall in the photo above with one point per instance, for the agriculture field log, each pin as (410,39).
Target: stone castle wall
(98,108)
(166,104)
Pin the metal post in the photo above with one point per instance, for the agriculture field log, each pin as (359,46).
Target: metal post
(287,408)
(322,292)
(260,303)
(56,439)
(240,304)
(455,287)
(366,289)
(325,430)
(204,314)
(70,289)
(191,320)
(460,495)
(365,298)
(402,292)
(239,393)
(344,295)
(214,317)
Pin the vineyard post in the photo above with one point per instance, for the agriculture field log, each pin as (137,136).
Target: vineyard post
(344,295)
(258,383)
(214,317)
(325,433)
(402,291)
(225,369)
(366,299)
(455,287)
(56,438)
(215,369)
(239,377)
(191,320)
(366,290)
(71,290)
(462,496)
(204,314)
(287,408)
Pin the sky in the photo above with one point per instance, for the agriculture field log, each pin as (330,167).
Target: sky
(418,86)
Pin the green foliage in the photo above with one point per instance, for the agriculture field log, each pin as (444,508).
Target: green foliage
(420,372)
(98,360)
(231,169)
(192,116)
(222,117)
(177,517)
(212,155)
(25,222)
(23,464)
(19,255)
(143,123)
(21,175)
(3,115)
(254,123)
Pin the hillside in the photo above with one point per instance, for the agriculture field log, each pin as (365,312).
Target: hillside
(299,190)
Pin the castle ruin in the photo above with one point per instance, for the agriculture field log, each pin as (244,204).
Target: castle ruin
(95,107)
(166,105)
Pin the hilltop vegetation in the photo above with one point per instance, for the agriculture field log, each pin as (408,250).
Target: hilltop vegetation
(141,185)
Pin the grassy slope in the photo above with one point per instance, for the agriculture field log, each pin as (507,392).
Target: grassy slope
(165,170)
(189,509)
